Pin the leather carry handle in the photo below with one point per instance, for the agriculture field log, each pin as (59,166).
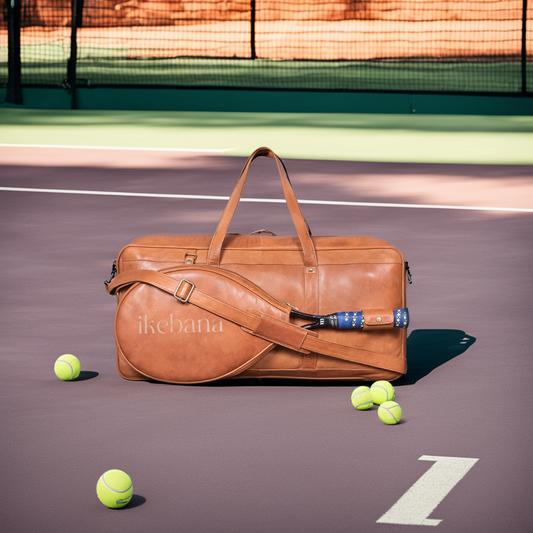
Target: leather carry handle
(256,323)
(302,229)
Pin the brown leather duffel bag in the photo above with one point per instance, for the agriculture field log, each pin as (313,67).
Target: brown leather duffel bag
(193,309)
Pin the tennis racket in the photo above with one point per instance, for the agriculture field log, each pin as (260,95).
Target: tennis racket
(349,319)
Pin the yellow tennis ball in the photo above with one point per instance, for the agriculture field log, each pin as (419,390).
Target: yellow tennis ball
(382,391)
(362,398)
(67,367)
(114,489)
(390,413)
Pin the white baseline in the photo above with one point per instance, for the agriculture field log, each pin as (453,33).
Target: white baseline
(132,148)
(265,200)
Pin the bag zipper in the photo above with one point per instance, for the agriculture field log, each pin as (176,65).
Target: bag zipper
(409,277)
(113,273)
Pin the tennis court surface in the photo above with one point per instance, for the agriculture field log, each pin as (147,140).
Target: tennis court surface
(267,456)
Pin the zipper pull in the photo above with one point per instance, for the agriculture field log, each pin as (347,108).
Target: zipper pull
(409,277)
(113,272)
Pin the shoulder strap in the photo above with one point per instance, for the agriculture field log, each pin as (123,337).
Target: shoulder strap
(270,328)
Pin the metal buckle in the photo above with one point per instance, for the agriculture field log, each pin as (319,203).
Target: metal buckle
(184,300)
(188,260)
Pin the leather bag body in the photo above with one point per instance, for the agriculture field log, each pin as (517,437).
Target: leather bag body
(197,308)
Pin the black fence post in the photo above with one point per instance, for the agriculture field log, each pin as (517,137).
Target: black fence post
(252,30)
(524,47)
(70,81)
(14,84)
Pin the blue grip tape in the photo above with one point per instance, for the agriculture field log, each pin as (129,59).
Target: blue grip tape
(401,318)
(355,319)
(351,319)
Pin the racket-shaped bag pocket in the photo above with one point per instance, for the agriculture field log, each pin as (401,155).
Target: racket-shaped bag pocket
(164,336)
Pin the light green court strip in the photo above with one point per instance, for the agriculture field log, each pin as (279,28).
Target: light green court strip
(350,137)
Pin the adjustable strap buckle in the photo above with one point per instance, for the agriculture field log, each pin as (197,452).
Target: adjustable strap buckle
(184,298)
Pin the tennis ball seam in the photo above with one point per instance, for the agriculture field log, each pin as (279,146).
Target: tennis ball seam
(361,405)
(390,412)
(357,398)
(115,490)
(384,390)
(71,367)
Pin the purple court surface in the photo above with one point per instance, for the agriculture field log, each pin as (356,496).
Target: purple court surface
(269,456)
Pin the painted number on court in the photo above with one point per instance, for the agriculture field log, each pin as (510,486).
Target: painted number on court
(415,506)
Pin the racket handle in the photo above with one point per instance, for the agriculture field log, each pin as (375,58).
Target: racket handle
(355,319)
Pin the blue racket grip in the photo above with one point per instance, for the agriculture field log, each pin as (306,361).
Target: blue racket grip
(356,319)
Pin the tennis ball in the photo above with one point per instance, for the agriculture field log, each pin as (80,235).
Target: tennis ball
(390,413)
(382,391)
(362,398)
(67,367)
(114,489)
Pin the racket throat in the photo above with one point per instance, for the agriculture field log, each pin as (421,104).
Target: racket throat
(318,321)
(328,321)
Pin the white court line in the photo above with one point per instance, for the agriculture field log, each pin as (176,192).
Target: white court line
(415,506)
(131,148)
(268,200)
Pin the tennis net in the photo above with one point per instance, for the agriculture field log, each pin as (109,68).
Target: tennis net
(346,45)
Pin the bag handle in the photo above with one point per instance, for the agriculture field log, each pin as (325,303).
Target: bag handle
(302,229)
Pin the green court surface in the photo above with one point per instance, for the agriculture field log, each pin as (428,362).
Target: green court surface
(351,137)
(49,67)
